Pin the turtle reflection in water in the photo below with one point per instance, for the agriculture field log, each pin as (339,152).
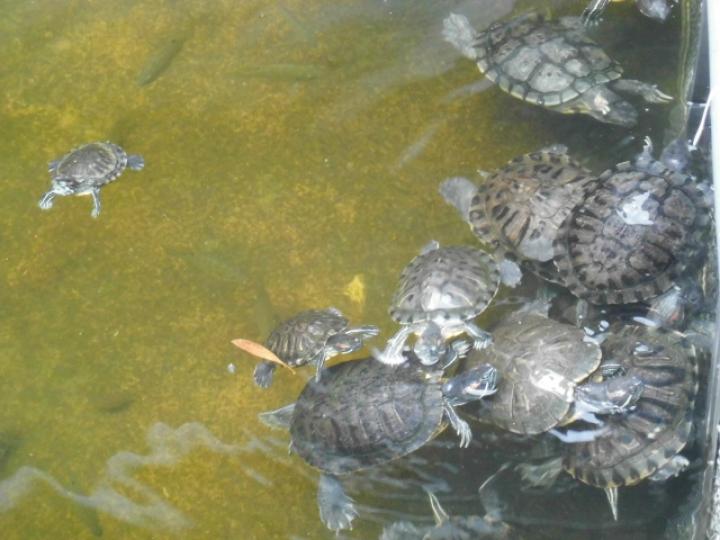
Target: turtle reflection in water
(544,367)
(644,442)
(311,337)
(449,527)
(364,413)
(441,291)
(553,64)
(87,169)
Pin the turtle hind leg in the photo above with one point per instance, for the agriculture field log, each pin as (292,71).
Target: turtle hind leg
(135,162)
(337,510)
(649,92)
(263,374)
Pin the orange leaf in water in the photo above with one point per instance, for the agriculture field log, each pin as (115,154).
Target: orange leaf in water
(256,349)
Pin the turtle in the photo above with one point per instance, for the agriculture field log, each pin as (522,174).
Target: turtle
(86,169)
(363,413)
(311,337)
(553,64)
(440,292)
(636,231)
(644,442)
(545,367)
(655,9)
(519,208)
(488,527)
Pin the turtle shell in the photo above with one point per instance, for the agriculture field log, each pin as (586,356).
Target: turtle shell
(363,413)
(521,206)
(632,236)
(300,340)
(543,62)
(451,283)
(641,441)
(540,361)
(95,163)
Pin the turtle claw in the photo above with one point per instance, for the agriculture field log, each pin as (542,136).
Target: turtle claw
(337,510)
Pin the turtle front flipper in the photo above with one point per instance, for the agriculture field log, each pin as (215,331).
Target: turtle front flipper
(592,13)
(649,92)
(96,202)
(392,353)
(612,497)
(481,338)
(337,510)
(47,200)
(461,427)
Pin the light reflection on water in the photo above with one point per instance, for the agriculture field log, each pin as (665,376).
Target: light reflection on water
(293,152)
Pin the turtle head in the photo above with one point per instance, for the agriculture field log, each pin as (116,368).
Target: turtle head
(471,385)
(430,345)
(614,395)
(64,185)
(606,106)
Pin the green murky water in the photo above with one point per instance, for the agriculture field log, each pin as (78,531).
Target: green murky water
(293,150)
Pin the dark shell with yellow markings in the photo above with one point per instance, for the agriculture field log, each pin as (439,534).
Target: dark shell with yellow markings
(520,207)
(641,441)
(364,413)
(606,258)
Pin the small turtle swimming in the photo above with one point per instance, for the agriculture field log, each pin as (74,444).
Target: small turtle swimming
(519,208)
(441,291)
(635,233)
(87,169)
(655,9)
(553,64)
(488,527)
(310,337)
(363,413)
(645,441)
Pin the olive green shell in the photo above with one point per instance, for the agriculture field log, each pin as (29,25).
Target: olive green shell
(94,164)
(453,282)
(641,441)
(539,361)
(364,413)
(606,260)
(299,340)
(520,207)
(547,63)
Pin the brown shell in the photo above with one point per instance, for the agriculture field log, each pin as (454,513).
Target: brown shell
(521,206)
(451,282)
(540,361)
(604,259)
(641,441)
